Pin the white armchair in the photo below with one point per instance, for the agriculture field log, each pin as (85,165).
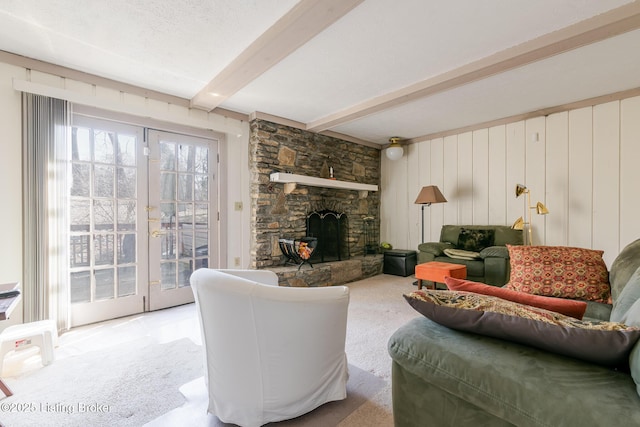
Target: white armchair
(271,353)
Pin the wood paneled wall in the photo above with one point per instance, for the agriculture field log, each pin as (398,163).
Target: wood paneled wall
(584,165)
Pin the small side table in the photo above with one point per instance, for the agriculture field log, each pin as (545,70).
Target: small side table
(436,271)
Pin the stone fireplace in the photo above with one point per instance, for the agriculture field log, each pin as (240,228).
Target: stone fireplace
(277,214)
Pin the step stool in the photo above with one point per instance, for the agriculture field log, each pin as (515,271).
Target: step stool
(43,334)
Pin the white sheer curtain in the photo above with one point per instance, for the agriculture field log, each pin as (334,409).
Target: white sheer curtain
(46,142)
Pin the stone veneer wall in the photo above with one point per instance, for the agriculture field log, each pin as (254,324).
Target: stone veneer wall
(274,214)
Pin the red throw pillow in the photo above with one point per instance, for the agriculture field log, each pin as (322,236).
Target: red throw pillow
(563,306)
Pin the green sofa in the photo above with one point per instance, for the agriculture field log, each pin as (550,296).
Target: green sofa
(444,377)
(492,265)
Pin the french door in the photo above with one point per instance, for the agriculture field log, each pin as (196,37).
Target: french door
(140,218)
(182,205)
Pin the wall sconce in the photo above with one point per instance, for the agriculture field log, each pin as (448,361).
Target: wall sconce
(429,194)
(540,209)
(394,151)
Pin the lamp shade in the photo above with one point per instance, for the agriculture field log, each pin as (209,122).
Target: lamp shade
(394,151)
(541,209)
(520,189)
(519,224)
(430,194)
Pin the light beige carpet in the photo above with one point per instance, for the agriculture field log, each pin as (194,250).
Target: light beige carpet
(146,377)
(361,387)
(127,385)
(376,310)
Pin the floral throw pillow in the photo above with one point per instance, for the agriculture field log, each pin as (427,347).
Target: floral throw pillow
(559,271)
(605,343)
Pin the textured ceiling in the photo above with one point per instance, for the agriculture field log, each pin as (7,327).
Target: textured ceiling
(370,52)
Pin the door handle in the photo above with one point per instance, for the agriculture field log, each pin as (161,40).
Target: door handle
(157,233)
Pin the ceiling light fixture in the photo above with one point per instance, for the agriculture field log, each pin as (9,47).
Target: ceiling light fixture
(394,151)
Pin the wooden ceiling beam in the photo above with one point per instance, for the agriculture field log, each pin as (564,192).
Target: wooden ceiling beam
(615,22)
(303,22)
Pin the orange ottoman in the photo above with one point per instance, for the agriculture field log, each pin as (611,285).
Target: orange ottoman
(436,271)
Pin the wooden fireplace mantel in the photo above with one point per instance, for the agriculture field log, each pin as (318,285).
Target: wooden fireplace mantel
(290,180)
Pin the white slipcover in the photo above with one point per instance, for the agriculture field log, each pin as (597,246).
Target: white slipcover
(271,353)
